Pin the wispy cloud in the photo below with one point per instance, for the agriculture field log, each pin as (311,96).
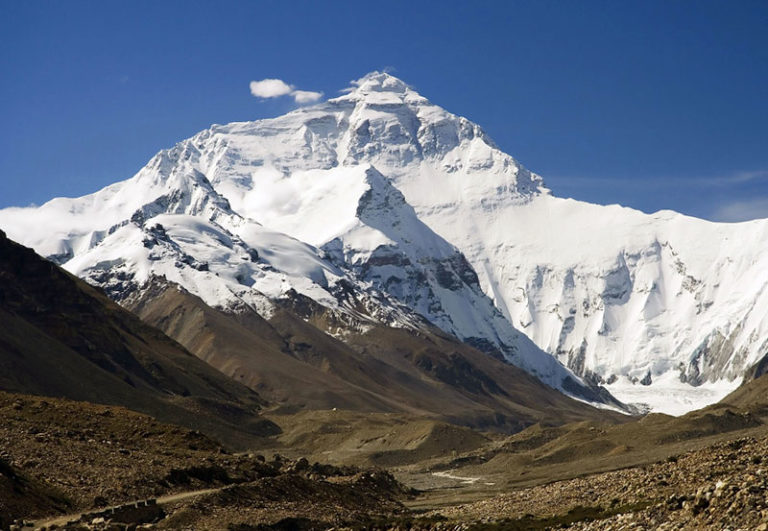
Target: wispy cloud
(745,210)
(731,197)
(734,179)
(275,88)
(740,178)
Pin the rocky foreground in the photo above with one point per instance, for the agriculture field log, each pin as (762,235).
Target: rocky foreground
(74,465)
(723,486)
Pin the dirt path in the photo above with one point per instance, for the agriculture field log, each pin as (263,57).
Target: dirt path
(163,500)
(463,479)
(171,498)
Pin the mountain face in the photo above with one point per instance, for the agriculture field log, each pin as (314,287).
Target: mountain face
(386,209)
(296,366)
(61,337)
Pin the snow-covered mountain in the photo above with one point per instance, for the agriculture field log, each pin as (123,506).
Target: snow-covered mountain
(417,211)
(346,239)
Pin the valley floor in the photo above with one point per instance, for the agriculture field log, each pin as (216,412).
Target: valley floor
(721,486)
(66,463)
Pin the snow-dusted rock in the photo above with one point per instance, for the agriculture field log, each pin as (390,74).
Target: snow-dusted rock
(419,209)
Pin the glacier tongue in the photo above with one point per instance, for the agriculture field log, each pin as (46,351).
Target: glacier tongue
(421,211)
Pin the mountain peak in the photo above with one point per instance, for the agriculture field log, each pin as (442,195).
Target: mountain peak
(380,82)
(381,88)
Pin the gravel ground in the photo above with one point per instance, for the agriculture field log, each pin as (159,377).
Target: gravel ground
(723,486)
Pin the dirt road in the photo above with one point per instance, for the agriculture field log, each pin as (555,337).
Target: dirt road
(163,500)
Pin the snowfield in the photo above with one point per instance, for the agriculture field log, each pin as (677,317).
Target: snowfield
(423,214)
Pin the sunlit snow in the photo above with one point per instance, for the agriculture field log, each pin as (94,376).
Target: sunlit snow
(388,191)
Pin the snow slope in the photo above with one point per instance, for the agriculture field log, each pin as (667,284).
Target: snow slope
(617,295)
(169,221)
(385,189)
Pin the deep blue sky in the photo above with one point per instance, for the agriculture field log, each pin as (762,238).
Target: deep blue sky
(649,104)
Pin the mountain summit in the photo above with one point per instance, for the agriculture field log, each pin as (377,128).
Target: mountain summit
(385,208)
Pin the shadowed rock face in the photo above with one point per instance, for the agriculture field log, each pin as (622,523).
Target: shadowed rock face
(61,337)
(21,495)
(757,370)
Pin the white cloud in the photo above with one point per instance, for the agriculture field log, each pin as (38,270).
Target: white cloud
(270,88)
(742,210)
(275,88)
(306,96)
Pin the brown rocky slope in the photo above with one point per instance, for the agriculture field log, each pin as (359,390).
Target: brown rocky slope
(295,364)
(63,457)
(61,337)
